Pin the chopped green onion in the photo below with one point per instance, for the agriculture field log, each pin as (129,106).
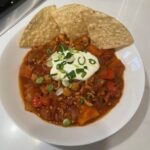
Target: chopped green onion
(70,62)
(53,74)
(63,63)
(62,48)
(59,66)
(39,80)
(66,122)
(56,60)
(83,74)
(92,61)
(49,51)
(81,101)
(69,55)
(81,60)
(85,67)
(79,70)
(89,96)
(71,75)
(50,88)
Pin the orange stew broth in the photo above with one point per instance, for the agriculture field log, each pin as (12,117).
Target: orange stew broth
(83,101)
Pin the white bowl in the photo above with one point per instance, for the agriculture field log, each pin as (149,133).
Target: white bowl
(11,99)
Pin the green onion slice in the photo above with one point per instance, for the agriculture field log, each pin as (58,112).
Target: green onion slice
(81,101)
(39,80)
(92,61)
(89,96)
(61,65)
(53,74)
(81,60)
(50,88)
(71,75)
(49,51)
(83,74)
(85,67)
(68,55)
(81,71)
(62,47)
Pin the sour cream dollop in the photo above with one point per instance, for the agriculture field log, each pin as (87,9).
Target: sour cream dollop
(71,64)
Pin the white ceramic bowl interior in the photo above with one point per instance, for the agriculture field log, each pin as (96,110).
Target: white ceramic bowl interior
(11,99)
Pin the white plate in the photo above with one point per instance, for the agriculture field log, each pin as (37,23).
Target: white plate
(10,96)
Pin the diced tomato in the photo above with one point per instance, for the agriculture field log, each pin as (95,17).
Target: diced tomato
(36,102)
(111,86)
(107,74)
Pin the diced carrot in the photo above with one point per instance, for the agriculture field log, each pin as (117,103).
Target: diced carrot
(92,49)
(88,114)
(107,74)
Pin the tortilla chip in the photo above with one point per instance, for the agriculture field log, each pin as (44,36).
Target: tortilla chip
(105,31)
(70,21)
(41,29)
(75,20)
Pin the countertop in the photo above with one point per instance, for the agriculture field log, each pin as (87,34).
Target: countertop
(135,135)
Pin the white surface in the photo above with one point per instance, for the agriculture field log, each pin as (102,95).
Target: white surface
(135,135)
(12,57)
